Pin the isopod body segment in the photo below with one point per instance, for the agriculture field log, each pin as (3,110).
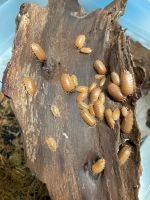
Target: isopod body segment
(80,41)
(115,92)
(67,83)
(124,154)
(30,86)
(87,117)
(98,166)
(127,122)
(100,67)
(126,83)
(38,51)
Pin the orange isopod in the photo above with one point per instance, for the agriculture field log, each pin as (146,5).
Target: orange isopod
(124,154)
(86,50)
(38,51)
(126,83)
(109,118)
(30,85)
(95,94)
(99,109)
(127,122)
(67,83)
(115,92)
(98,166)
(87,117)
(100,67)
(80,41)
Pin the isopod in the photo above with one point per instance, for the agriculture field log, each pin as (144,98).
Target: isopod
(87,117)
(98,166)
(86,50)
(80,41)
(127,122)
(99,76)
(1,96)
(115,92)
(124,111)
(116,114)
(82,88)
(55,111)
(124,154)
(95,94)
(83,105)
(75,80)
(99,109)
(102,81)
(126,83)
(100,67)
(67,83)
(91,110)
(101,97)
(81,97)
(38,51)
(52,144)
(30,85)
(115,78)
(92,86)
(109,118)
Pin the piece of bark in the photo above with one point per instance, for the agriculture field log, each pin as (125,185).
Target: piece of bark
(66,171)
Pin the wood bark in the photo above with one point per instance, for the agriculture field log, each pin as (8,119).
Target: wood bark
(66,172)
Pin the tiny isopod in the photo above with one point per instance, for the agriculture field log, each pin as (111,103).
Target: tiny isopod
(82,88)
(99,109)
(83,105)
(101,97)
(75,80)
(124,154)
(115,92)
(55,111)
(124,111)
(99,76)
(38,51)
(67,83)
(92,86)
(98,166)
(80,41)
(81,97)
(100,67)
(87,117)
(126,83)
(109,118)
(116,114)
(86,50)
(127,122)
(115,78)
(52,144)
(30,85)
(95,94)
(102,81)
(91,110)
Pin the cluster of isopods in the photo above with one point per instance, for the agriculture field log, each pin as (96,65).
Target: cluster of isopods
(119,88)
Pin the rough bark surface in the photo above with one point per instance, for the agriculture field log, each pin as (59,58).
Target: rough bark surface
(67,171)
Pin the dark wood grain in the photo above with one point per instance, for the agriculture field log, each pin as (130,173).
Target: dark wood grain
(67,171)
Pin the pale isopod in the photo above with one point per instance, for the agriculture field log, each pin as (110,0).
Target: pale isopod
(102,81)
(83,105)
(124,111)
(55,111)
(67,83)
(82,88)
(127,122)
(101,97)
(99,109)
(87,117)
(115,92)
(98,166)
(80,41)
(81,97)
(75,80)
(52,144)
(86,50)
(98,76)
(115,78)
(116,114)
(100,67)
(126,83)
(92,86)
(124,154)
(38,51)
(30,85)
(95,94)
(109,118)
(91,110)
